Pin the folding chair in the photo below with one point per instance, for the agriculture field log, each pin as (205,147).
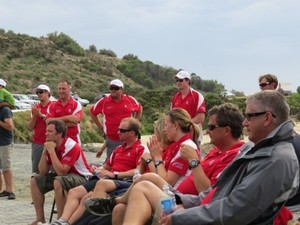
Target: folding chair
(52,210)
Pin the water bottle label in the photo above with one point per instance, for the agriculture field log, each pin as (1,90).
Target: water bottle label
(166,205)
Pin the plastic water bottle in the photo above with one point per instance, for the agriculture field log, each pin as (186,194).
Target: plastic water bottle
(136,174)
(168,201)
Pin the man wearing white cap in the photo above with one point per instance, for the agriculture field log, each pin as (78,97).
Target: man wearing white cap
(37,124)
(6,98)
(113,109)
(189,99)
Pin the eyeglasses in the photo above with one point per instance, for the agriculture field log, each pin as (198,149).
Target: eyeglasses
(264,84)
(39,92)
(213,126)
(114,88)
(123,130)
(249,115)
(179,80)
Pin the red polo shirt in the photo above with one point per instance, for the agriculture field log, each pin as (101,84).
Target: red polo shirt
(72,107)
(39,133)
(213,164)
(113,112)
(123,159)
(70,153)
(193,103)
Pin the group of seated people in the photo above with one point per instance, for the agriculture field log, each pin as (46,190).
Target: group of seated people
(235,183)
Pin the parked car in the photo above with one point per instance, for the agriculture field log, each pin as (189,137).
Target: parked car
(35,97)
(22,105)
(82,101)
(227,94)
(24,98)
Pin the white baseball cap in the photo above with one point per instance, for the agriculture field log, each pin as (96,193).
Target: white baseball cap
(117,83)
(183,74)
(2,83)
(42,87)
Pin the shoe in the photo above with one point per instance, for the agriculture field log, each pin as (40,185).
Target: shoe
(100,206)
(59,222)
(11,196)
(4,193)
(41,223)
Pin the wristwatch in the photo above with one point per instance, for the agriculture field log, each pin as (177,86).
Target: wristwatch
(157,163)
(194,163)
(148,161)
(116,173)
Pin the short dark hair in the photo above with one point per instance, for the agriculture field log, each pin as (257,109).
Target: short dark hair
(60,127)
(229,114)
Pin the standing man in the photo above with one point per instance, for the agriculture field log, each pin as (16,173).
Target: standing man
(113,109)
(37,124)
(6,145)
(189,99)
(70,169)
(66,109)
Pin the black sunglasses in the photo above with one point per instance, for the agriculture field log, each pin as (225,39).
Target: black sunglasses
(179,80)
(115,88)
(213,126)
(123,130)
(249,115)
(264,84)
(39,92)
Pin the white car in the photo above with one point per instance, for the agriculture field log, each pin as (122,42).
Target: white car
(82,101)
(22,105)
(24,98)
(227,94)
(35,97)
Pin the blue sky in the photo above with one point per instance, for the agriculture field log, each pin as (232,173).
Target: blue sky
(231,41)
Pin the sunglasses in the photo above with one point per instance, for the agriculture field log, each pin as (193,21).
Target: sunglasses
(179,80)
(123,130)
(114,88)
(39,92)
(249,115)
(213,126)
(264,84)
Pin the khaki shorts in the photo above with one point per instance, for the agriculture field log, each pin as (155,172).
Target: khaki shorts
(5,157)
(70,180)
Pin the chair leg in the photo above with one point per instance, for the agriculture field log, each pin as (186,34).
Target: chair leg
(52,211)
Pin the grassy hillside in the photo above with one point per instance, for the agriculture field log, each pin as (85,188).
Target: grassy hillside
(26,62)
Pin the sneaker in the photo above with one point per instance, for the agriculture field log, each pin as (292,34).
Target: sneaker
(11,196)
(4,193)
(60,222)
(100,206)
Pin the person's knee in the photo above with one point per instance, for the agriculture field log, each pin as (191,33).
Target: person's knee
(57,185)
(77,192)
(118,212)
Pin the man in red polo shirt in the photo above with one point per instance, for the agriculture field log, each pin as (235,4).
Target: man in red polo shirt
(66,109)
(70,167)
(113,109)
(37,124)
(189,99)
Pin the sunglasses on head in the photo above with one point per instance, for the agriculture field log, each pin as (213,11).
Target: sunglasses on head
(179,80)
(264,84)
(115,88)
(123,130)
(39,92)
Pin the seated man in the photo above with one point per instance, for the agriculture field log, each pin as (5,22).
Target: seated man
(251,190)
(225,129)
(70,166)
(121,164)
